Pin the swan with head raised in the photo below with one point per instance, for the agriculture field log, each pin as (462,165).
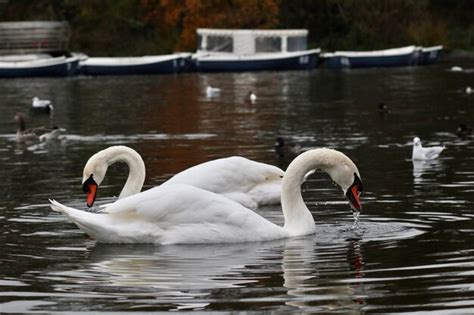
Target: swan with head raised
(248,182)
(180,214)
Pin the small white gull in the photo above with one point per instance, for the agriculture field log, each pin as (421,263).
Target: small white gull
(420,153)
(44,106)
(212,91)
(252,97)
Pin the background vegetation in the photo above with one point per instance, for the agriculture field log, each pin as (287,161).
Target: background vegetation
(138,27)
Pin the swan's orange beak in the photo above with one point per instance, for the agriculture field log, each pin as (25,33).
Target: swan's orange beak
(353,194)
(90,187)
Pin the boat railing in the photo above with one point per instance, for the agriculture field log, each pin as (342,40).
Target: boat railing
(251,42)
(33,37)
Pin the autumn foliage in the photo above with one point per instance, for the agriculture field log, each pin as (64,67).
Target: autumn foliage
(188,15)
(140,27)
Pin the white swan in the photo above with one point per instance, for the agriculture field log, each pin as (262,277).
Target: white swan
(245,181)
(420,153)
(177,213)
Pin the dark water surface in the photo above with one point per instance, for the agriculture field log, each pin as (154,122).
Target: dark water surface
(413,251)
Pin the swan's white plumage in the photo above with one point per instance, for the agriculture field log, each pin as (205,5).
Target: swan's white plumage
(178,213)
(173,214)
(248,182)
(421,153)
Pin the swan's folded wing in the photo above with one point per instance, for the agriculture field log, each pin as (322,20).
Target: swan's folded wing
(226,175)
(233,177)
(176,204)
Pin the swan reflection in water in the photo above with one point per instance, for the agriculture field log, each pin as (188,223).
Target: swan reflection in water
(305,277)
(196,276)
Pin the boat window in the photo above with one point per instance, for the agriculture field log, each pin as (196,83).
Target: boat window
(296,43)
(200,42)
(219,43)
(267,44)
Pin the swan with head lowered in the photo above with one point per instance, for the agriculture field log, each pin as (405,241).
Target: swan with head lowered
(185,214)
(245,181)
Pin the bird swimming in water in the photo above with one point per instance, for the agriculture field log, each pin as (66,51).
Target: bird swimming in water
(463,131)
(383,109)
(37,134)
(284,149)
(212,91)
(41,106)
(420,153)
(251,97)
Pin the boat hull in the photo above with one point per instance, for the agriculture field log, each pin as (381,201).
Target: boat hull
(134,65)
(395,57)
(40,68)
(209,63)
(338,62)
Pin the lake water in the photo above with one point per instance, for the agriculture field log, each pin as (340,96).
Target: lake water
(413,251)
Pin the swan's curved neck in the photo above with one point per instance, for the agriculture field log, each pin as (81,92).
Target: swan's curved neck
(298,218)
(136,166)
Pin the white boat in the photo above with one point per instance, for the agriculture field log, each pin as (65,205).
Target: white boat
(394,57)
(158,64)
(24,57)
(252,50)
(39,67)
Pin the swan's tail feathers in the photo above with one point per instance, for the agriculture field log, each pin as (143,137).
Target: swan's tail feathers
(89,223)
(68,211)
(56,206)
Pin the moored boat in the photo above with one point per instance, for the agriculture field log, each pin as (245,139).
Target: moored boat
(253,50)
(173,63)
(395,57)
(429,55)
(41,67)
